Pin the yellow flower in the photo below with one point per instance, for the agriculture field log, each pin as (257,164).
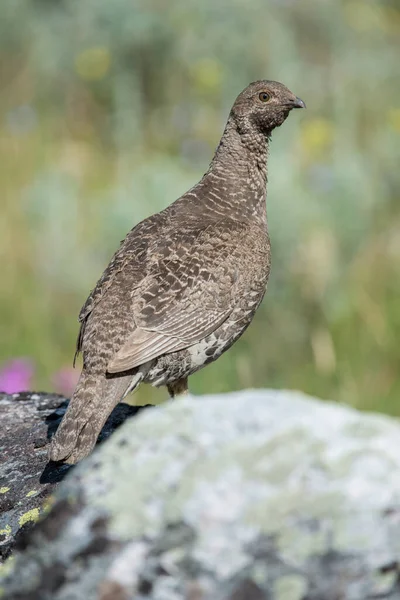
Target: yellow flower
(363,16)
(207,74)
(393,117)
(317,135)
(93,64)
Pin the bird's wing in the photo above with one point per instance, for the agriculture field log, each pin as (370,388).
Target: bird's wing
(189,296)
(132,248)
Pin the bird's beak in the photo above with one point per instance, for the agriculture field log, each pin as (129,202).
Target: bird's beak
(298,103)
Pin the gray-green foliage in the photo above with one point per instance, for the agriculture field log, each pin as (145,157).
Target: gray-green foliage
(130,98)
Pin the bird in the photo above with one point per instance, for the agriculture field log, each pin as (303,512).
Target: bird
(185,282)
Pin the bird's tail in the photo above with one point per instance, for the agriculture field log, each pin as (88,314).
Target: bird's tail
(94,398)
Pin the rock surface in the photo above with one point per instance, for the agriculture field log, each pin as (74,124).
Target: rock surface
(258,495)
(28,420)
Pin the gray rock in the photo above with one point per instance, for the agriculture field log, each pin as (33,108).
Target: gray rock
(258,495)
(28,420)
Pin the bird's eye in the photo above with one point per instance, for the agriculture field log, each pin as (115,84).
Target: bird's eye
(264,97)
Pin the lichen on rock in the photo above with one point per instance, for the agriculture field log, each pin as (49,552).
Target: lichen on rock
(257,495)
(27,480)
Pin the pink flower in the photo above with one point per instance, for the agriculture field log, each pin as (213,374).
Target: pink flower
(16,375)
(65,380)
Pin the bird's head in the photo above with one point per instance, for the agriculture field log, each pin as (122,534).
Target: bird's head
(262,106)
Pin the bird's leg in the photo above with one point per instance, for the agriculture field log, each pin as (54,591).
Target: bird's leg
(178,387)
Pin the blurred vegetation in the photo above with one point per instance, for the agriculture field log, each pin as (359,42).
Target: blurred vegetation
(110,110)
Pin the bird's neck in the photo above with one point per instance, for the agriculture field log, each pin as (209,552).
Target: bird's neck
(237,176)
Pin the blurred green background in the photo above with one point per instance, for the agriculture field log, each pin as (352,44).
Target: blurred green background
(110,110)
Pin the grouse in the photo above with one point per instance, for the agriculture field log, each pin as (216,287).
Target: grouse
(185,283)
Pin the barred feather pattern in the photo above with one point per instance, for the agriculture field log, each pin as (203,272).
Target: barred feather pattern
(184,284)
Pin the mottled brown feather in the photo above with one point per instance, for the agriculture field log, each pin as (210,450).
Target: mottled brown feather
(170,323)
(185,283)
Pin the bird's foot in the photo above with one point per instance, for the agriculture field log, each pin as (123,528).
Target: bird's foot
(178,388)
